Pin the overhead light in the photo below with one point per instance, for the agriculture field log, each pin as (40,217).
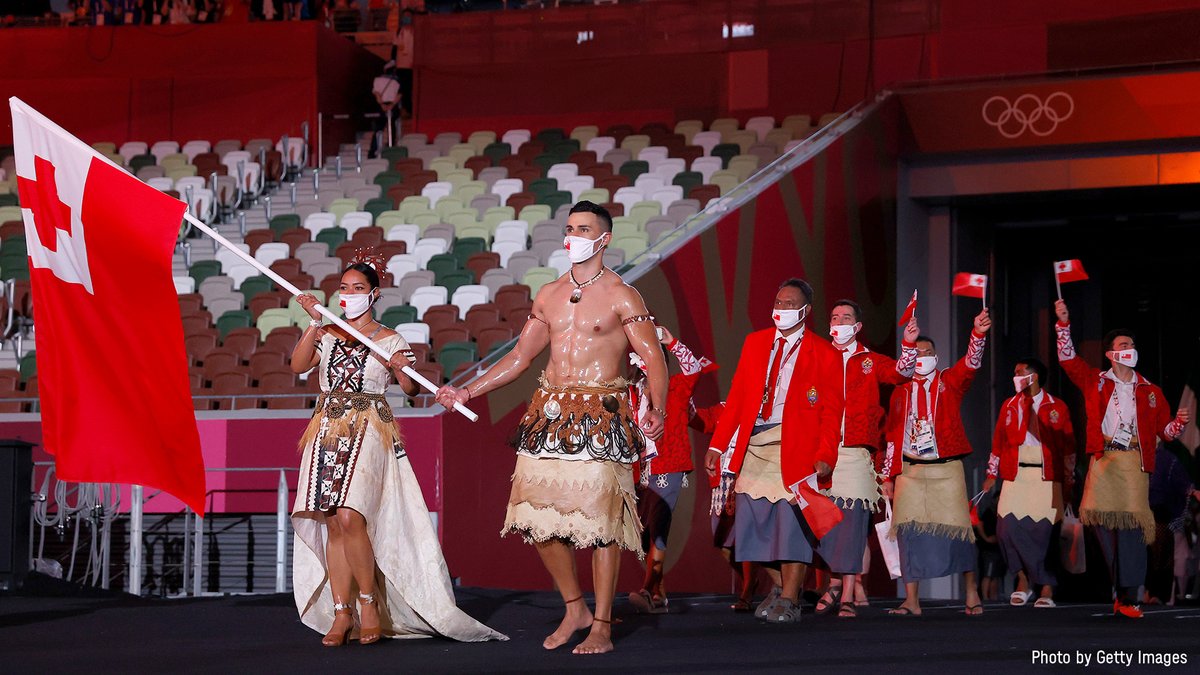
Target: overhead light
(740,29)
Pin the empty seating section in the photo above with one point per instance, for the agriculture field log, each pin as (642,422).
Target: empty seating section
(471,228)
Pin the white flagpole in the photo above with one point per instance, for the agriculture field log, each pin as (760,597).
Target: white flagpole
(417,377)
(985,285)
(1057,283)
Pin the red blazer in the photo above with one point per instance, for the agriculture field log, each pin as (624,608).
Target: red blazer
(1153,410)
(812,412)
(949,387)
(675,446)
(865,372)
(1055,432)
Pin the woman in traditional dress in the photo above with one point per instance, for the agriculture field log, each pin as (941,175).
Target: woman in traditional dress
(360,520)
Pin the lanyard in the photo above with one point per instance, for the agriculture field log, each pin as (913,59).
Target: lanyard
(1116,403)
(779,375)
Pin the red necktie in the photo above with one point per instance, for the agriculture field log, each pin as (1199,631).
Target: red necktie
(772,378)
(1031,419)
(922,400)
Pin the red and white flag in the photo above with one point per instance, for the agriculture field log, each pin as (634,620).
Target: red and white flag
(1067,271)
(969,285)
(819,512)
(112,373)
(909,311)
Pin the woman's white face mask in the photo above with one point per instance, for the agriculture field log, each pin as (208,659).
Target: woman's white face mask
(926,365)
(356,304)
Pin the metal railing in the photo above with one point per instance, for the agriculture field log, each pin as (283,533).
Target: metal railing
(95,507)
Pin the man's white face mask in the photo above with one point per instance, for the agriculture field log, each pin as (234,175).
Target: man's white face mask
(1022,382)
(926,365)
(788,318)
(844,334)
(1125,357)
(580,249)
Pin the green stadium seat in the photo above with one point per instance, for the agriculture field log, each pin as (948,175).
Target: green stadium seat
(284,222)
(454,354)
(332,237)
(398,314)
(28,367)
(235,318)
(203,269)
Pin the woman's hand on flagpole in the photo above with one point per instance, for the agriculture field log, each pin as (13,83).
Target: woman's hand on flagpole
(309,302)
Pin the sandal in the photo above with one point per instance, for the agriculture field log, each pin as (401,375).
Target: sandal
(645,603)
(902,611)
(1044,602)
(784,611)
(971,610)
(368,635)
(332,639)
(847,611)
(1020,598)
(741,606)
(835,599)
(764,608)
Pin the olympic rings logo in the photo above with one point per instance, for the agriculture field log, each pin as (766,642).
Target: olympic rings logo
(1028,114)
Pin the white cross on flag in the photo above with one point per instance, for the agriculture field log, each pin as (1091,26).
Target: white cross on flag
(1069,270)
(969,285)
(112,373)
(818,511)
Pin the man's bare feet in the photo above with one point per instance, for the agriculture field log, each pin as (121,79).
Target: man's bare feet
(577,618)
(599,640)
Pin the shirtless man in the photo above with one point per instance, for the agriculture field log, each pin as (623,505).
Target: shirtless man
(573,483)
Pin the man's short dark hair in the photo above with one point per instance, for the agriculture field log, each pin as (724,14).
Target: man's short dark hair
(1111,336)
(1034,364)
(926,338)
(600,212)
(804,286)
(852,305)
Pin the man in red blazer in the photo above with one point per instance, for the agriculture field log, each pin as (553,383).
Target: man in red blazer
(855,483)
(1126,414)
(1033,452)
(785,405)
(925,447)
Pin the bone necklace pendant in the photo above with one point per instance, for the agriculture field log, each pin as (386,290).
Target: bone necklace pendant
(577,294)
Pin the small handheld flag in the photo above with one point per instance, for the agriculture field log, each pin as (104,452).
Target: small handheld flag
(970,285)
(910,311)
(1066,271)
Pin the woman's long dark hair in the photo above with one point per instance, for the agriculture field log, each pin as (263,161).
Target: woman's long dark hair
(367,271)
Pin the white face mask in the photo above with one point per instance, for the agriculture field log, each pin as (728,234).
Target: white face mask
(844,334)
(926,365)
(1022,382)
(788,318)
(1125,357)
(356,304)
(580,249)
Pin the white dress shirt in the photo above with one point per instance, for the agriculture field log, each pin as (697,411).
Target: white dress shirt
(786,367)
(1122,409)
